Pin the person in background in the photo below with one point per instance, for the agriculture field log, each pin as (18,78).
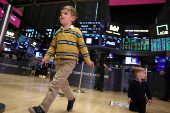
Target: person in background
(137,90)
(101,66)
(166,74)
(67,42)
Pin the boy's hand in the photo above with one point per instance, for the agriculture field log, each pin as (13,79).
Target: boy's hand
(129,100)
(91,64)
(161,73)
(149,101)
(44,61)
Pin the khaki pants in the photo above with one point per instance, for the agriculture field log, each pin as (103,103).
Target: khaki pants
(63,69)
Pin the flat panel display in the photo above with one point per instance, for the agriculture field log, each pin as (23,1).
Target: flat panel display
(160,30)
(39,54)
(160,44)
(135,43)
(89,27)
(136,30)
(111,42)
(131,60)
(91,39)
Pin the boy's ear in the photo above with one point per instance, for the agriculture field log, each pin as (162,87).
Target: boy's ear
(73,18)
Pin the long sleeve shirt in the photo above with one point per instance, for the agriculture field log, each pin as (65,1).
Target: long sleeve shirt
(67,43)
(137,91)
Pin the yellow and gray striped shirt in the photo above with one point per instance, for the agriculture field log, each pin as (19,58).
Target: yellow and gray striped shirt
(67,43)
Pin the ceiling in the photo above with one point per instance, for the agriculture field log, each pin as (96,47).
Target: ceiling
(135,14)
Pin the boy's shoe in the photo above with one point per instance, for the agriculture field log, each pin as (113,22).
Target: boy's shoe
(36,109)
(2,108)
(70,104)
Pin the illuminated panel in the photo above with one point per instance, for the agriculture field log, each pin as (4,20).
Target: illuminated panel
(134,2)
(136,43)
(160,44)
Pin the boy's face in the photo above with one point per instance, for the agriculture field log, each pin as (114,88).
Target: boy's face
(168,54)
(66,18)
(141,74)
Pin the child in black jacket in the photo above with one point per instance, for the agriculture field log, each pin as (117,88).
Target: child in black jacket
(136,93)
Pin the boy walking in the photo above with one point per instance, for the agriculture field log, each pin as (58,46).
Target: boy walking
(66,44)
(137,90)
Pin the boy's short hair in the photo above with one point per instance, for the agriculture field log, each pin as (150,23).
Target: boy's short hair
(168,51)
(72,11)
(138,69)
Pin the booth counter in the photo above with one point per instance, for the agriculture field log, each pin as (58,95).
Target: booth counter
(10,66)
(90,77)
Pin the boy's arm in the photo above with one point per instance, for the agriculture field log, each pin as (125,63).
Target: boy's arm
(52,48)
(148,94)
(130,89)
(83,48)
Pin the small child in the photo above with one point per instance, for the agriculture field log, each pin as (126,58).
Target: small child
(65,45)
(136,93)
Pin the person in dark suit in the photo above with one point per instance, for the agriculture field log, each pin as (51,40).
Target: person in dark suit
(166,74)
(101,66)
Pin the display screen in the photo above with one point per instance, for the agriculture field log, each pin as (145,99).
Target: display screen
(10,42)
(29,33)
(30,50)
(23,43)
(159,67)
(111,42)
(131,60)
(160,30)
(161,63)
(39,54)
(89,27)
(13,19)
(111,55)
(8,49)
(136,43)
(91,39)
(23,39)
(134,2)
(136,30)
(162,60)
(156,59)
(160,44)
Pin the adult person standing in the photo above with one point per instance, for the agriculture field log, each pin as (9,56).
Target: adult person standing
(101,66)
(166,74)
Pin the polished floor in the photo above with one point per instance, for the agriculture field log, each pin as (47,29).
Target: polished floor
(20,92)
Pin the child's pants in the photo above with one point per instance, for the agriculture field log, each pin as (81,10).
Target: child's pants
(137,106)
(63,69)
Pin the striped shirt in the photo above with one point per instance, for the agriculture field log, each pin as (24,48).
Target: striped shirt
(67,43)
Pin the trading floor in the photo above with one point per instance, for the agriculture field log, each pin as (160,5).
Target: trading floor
(20,92)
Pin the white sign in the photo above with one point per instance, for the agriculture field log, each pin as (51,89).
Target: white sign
(9,34)
(162,32)
(139,31)
(110,43)
(114,28)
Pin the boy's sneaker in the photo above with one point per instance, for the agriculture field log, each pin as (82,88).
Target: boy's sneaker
(70,104)
(2,108)
(36,109)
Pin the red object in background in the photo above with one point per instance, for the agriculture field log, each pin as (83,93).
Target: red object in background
(134,2)
(13,19)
